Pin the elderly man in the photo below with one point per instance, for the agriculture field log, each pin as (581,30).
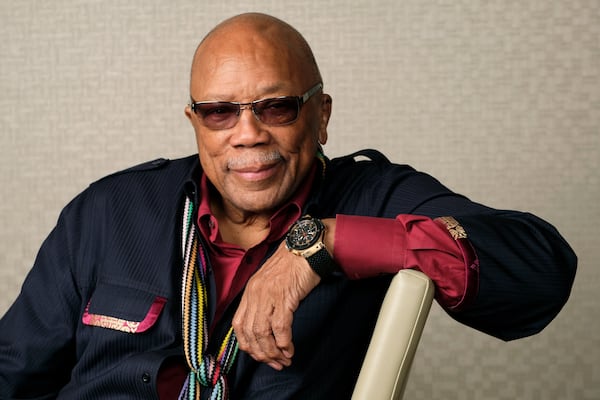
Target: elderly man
(259,264)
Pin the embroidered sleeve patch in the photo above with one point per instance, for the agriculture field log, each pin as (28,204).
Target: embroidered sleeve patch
(455,229)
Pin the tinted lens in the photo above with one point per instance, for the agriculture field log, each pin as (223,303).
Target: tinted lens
(278,111)
(218,115)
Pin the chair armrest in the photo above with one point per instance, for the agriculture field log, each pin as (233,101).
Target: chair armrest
(396,336)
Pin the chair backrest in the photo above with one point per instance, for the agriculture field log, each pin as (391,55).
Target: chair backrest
(400,323)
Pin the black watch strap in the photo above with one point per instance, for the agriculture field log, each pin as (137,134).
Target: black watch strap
(322,263)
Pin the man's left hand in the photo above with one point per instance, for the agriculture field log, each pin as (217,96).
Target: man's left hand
(263,321)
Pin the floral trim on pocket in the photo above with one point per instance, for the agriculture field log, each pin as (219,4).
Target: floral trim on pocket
(106,321)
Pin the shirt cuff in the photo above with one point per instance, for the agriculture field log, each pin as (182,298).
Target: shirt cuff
(369,246)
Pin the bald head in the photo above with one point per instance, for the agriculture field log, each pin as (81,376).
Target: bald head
(269,38)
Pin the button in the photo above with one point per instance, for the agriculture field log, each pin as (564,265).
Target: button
(146,377)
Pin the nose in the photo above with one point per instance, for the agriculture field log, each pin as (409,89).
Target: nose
(249,131)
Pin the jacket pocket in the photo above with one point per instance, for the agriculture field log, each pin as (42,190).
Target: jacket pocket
(123,308)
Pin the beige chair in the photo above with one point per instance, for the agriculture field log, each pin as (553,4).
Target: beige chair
(401,320)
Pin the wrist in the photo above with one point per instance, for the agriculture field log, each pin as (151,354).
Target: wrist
(329,237)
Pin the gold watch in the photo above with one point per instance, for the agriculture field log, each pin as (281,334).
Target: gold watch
(305,238)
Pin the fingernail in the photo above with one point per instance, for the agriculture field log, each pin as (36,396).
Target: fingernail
(275,366)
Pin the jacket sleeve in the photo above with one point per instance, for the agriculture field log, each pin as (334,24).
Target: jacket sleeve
(36,342)
(526,271)
(525,267)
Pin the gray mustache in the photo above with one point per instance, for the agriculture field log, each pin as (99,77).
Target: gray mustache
(253,159)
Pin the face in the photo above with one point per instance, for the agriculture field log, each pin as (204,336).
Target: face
(255,167)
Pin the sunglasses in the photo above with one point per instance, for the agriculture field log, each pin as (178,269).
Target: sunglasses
(276,111)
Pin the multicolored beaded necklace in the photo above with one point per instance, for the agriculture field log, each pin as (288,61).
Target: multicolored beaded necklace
(206,371)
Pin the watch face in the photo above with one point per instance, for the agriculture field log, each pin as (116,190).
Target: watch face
(303,234)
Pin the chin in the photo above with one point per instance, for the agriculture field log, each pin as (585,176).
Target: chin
(260,202)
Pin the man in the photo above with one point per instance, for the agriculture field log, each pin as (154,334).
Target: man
(189,264)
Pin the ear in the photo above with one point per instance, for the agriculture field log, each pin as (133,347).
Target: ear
(188,112)
(326,103)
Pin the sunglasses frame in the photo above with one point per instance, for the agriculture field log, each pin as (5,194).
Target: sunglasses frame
(300,101)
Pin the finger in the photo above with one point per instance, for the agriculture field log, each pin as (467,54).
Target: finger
(266,347)
(252,322)
(239,327)
(268,353)
(282,331)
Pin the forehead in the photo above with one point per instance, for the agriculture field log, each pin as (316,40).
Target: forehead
(246,57)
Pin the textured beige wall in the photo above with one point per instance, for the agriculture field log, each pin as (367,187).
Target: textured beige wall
(499,99)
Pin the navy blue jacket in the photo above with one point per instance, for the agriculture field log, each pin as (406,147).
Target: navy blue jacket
(115,250)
